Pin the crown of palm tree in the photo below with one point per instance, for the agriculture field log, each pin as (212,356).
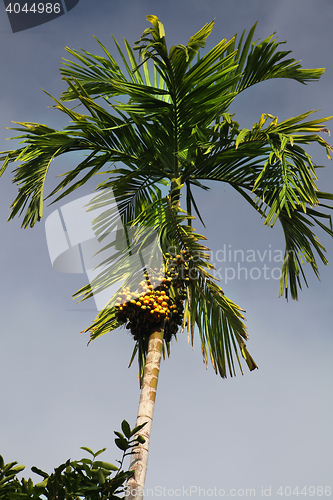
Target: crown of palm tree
(166,119)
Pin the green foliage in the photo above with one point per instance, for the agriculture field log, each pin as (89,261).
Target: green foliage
(85,479)
(167,118)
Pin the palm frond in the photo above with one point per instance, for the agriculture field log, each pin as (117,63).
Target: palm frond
(261,60)
(301,243)
(270,169)
(164,120)
(43,145)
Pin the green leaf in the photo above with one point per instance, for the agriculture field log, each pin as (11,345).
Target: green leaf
(88,450)
(99,452)
(43,484)
(39,472)
(122,444)
(101,477)
(241,136)
(138,428)
(119,434)
(126,429)
(86,461)
(105,465)
(17,468)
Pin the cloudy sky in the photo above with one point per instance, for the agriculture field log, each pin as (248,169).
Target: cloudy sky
(268,429)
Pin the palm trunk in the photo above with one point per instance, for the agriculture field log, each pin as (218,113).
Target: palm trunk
(139,461)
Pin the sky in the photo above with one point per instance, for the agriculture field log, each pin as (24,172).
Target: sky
(265,430)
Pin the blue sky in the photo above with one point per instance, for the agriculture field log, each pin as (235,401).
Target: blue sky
(268,428)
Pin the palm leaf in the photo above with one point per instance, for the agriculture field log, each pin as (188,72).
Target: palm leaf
(167,121)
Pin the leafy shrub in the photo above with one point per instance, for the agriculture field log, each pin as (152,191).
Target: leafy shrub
(85,479)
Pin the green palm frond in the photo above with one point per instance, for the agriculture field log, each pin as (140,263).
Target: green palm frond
(301,243)
(220,324)
(44,145)
(261,60)
(163,122)
(272,171)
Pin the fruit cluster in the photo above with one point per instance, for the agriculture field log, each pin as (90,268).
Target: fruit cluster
(149,307)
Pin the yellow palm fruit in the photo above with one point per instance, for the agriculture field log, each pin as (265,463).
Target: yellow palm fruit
(133,301)
(164,304)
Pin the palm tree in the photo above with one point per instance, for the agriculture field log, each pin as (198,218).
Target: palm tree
(172,129)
